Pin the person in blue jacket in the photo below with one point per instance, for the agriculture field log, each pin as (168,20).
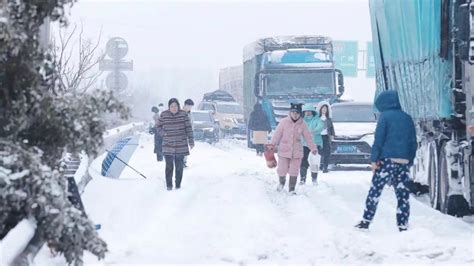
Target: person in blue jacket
(392,155)
(315,126)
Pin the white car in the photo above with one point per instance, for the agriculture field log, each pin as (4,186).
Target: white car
(354,125)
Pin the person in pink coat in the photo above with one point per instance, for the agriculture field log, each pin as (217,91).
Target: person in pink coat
(287,137)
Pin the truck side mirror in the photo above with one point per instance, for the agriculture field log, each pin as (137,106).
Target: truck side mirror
(340,83)
(259,82)
(256,83)
(465,33)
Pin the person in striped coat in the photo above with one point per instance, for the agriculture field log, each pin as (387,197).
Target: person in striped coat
(177,139)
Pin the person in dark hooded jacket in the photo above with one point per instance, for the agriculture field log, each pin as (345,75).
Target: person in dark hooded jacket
(392,155)
(158,134)
(258,122)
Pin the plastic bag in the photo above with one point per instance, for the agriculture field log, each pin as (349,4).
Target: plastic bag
(314,162)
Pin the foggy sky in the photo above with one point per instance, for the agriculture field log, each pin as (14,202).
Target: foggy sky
(178,47)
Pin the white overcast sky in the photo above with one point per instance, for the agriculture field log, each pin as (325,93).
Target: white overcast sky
(198,38)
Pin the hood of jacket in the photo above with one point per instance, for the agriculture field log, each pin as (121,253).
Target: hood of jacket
(320,104)
(388,100)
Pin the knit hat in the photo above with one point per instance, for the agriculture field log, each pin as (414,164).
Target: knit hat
(295,107)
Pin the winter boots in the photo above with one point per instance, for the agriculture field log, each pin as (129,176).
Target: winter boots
(292,184)
(363,225)
(402,228)
(282,183)
(303,171)
(314,177)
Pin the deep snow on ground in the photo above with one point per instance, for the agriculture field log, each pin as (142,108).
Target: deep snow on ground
(228,211)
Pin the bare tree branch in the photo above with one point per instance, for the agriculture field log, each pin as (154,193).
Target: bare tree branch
(76,61)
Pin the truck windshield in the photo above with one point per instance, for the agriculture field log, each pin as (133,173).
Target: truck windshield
(229,109)
(300,83)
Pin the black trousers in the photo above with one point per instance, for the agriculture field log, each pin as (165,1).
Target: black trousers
(259,148)
(326,152)
(158,147)
(177,162)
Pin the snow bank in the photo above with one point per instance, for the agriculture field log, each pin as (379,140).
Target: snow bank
(16,241)
(229,212)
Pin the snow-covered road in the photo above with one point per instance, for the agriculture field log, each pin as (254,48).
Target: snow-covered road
(228,211)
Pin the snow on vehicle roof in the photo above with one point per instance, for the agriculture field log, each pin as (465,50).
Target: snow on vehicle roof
(226,103)
(200,111)
(286,42)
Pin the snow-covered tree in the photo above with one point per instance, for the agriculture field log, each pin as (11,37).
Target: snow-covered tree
(37,126)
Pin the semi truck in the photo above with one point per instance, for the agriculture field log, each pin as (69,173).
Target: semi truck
(289,69)
(425,51)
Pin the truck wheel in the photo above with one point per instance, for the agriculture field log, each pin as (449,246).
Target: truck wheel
(433,175)
(443,180)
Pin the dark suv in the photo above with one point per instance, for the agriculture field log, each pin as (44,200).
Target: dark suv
(204,126)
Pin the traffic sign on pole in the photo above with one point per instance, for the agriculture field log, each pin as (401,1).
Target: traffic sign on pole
(370,72)
(345,57)
(111,65)
(116,49)
(116,81)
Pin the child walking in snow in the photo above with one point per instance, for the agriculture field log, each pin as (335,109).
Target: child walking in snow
(287,137)
(315,126)
(392,155)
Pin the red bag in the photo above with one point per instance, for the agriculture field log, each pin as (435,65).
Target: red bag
(270,156)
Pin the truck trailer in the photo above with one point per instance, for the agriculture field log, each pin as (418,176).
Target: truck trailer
(425,51)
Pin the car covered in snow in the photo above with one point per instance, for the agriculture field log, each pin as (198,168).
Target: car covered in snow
(205,127)
(354,124)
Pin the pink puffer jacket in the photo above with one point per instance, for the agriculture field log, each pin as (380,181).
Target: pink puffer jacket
(288,138)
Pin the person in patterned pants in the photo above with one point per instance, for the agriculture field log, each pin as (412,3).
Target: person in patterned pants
(396,174)
(392,155)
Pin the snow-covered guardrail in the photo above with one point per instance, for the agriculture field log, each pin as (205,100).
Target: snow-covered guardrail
(17,248)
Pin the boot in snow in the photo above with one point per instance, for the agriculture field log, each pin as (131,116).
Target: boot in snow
(292,184)
(303,172)
(282,183)
(362,225)
(169,188)
(314,177)
(280,187)
(402,228)
(303,180)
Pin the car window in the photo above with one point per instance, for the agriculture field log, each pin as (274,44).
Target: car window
(201,117)
(229,109)
(353,113)
(207,107)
